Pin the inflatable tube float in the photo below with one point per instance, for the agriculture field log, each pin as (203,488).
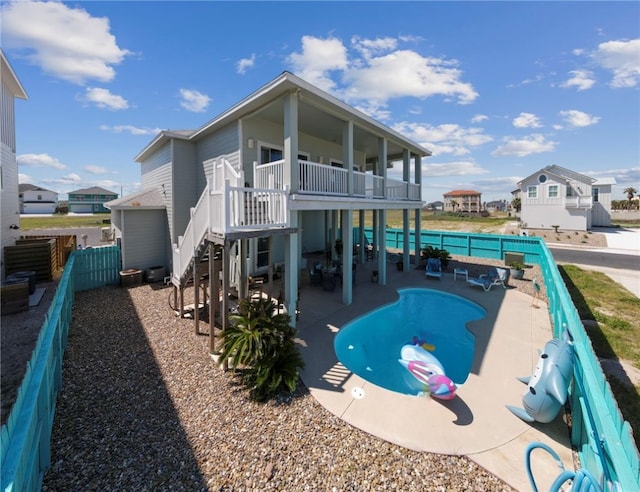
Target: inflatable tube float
(428,370)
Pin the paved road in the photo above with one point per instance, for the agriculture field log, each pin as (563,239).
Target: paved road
(596,258)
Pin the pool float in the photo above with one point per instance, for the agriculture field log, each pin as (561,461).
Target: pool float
(547,388)
(427,369)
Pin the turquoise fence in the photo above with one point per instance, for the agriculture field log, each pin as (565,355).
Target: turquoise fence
(25,439)
(603,439)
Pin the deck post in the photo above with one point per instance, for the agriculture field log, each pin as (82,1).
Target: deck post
(291,270)
(196,293)
(417,164)
(213,291)
(224,314)
(347,257)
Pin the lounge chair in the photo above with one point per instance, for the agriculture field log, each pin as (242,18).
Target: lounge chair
(434,268)
(496,276)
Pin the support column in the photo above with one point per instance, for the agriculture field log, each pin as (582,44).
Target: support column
(291,169)
(417,228)
(291,270)
(406,247)
(212,300)
(382,214)
(347,256)
(196,293)
(347,154)
(224,314)
(361,238)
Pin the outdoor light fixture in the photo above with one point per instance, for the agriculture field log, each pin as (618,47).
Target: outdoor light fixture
(14,226)
(250,143)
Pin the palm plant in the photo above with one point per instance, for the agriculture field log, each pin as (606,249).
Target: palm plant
(260,341)
(431,252)
(630,191)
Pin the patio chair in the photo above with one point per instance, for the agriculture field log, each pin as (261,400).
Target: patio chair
(496,276)
(434,268)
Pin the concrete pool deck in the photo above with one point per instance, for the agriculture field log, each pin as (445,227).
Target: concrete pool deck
(476,423)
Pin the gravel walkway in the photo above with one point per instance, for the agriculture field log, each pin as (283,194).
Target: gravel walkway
(144,407)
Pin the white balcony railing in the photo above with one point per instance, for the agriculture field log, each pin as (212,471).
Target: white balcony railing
(321,179)
(230,209)
(578,202)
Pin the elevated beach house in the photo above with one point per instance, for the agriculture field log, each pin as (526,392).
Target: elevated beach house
(555,196)
(266,185)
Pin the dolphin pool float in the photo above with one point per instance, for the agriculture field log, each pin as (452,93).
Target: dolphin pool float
(427,369)
(547,388)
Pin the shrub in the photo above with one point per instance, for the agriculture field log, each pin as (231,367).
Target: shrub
(431,252)
(260,341)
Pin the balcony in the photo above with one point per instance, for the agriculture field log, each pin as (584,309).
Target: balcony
(578,202)
(321,179)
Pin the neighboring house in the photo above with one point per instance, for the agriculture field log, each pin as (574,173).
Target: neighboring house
(10,213)
(555,196)
(278,174)
(36,200)
(463,201)
(90,200)
(497,206)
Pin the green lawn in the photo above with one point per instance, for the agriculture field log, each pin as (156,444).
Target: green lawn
(61,221)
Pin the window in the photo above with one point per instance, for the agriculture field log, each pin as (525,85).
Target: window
(271,154)
(595,193)
(532,192)
(39,197)
(553,191)
(542,178)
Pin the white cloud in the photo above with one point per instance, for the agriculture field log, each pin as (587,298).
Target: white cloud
(371,47)
(405,73)
(478,118)
(580,79)
(40,160)
(67,43)
(90,168)
(527,120)
(245,63)
(460,168)
(628,176)
(622,58)
(133,130)
(575,118)
(377,71)
(444,139)
(71,178)
(317,58)
(195,101)
(104,99)
(533,144)
(24,178)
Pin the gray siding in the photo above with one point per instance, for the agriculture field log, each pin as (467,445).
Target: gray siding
(7,119)
(147,239)
(157,172)
(225,142)
(184,185)
(10,201)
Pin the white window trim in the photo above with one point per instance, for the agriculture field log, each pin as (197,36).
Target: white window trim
(535,190)
(557,188)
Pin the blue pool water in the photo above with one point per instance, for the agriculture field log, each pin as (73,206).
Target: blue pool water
(370,345)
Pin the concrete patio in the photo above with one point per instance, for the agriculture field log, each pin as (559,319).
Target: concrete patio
(476,423)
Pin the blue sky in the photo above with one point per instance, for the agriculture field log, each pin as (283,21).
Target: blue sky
(497,90)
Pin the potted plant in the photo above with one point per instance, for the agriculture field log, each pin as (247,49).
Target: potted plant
(431,252)
(516,270)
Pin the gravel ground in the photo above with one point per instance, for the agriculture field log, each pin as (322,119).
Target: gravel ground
(144,407)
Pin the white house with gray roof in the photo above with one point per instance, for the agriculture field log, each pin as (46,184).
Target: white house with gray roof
(37,200)
(275,177)
(555,196)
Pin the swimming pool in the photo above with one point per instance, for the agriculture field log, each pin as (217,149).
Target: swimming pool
(370,345)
